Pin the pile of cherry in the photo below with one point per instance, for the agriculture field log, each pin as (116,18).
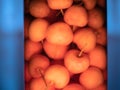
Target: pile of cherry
(65,45)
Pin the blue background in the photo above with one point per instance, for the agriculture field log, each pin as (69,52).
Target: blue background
(113,27)
(12,44)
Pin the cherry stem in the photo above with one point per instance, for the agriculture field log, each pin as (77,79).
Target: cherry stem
(82,50)
(42,77)
(79,55)
(61,10)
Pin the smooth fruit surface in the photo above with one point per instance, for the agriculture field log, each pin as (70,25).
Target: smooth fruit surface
(31,48)
(96,18)
(37,30)
(37,65)
(39,8)
(75,63)
(98,57)
(59,33)
(54,51)
(58,75)
(91,78)
(76,16)
(85,39)
(59,4)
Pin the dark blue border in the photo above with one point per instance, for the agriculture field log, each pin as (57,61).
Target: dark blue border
(113,27)
(11,45)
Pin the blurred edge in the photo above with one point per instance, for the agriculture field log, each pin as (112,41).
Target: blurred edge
(113,27)
(11,45)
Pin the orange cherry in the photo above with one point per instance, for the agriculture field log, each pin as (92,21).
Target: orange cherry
(37,30)
(37,65)
(76,16)
(58,75)
(54,51)
(75,63)
(59,33)
(91,78)
(85,39)
(31,48)
(98,57)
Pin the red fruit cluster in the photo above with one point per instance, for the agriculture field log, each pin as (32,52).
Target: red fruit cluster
(65,45)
